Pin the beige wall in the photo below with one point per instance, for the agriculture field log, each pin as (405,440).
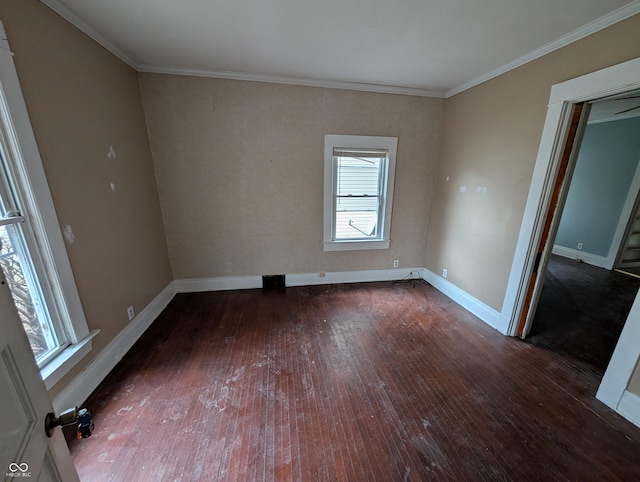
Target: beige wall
(240,172)
(490,140)
(81,100)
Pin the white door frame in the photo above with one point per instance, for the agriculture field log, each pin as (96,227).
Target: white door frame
(614,80)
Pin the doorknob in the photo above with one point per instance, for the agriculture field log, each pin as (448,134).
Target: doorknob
(69,417)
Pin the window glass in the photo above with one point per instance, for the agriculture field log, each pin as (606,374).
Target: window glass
(17,264)
(358,193)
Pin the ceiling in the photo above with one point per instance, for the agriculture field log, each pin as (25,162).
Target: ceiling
(422,47)
(623,106)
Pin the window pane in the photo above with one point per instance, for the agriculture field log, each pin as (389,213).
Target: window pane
(357,176)
(23,285)
(357,201)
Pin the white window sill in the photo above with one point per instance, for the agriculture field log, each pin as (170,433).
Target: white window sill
(355,245)
(62,364)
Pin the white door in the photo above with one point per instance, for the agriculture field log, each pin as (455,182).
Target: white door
(25,449)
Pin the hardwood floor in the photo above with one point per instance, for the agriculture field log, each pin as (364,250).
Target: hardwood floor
(363,382)
(582,311)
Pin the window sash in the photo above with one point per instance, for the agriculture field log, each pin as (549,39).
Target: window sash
(24,273)
(358,193)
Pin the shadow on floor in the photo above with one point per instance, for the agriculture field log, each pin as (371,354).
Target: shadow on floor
(582,311)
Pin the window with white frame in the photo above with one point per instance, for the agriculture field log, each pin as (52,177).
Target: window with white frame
(32,253)
(358,191)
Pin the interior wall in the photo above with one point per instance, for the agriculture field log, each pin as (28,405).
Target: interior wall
(240,173)
(491,135)
(82,100)
(605,167)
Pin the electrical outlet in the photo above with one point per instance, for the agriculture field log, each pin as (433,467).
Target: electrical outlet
(396,263)
(444,273)
(130,313)
(580,245)
(322,274)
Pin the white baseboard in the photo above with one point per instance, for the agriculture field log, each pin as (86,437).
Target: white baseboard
(218,284)
(300,279)
(76,392)
(307,279)
(468,302)
(592,259)
(611,389)
(629,407)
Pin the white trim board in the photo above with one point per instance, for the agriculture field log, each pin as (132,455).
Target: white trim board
(578,255)
(468,302)
(395,274)
(194,285)
(276,79)
(76,392)
(299,279)
(623,361)
(487,314)
(629,407)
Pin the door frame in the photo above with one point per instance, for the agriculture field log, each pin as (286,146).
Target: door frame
(607,82)
(559,189)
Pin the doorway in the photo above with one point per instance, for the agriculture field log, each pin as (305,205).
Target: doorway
(615,80)
(583,305)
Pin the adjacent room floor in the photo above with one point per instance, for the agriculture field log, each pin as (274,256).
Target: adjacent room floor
(362,382)
(582,311)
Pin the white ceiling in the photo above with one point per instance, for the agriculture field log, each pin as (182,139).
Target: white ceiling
(425,47)
(624,106)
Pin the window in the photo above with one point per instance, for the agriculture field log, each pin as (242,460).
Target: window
(358,191)
(17,242)
(33,257)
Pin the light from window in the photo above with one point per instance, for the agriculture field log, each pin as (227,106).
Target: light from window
(359,172)
(17,264)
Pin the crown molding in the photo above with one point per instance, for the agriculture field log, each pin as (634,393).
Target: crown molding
(276,79)
(599,24)
(79,23)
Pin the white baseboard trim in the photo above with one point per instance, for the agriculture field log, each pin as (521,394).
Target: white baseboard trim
(76,392)
(592,259)
(300,279)
(307,279)
(629,407)
(468,302)
(218,284)
(611,389)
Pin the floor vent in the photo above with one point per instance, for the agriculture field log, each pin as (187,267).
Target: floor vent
(273,282)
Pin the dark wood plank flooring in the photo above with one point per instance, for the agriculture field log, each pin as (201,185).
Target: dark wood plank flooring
(582,311)
(363,382)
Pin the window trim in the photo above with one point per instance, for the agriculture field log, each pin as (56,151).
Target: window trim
(35,193)
(332,141)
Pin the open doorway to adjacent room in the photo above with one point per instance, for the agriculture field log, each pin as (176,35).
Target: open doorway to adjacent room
(585,297)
